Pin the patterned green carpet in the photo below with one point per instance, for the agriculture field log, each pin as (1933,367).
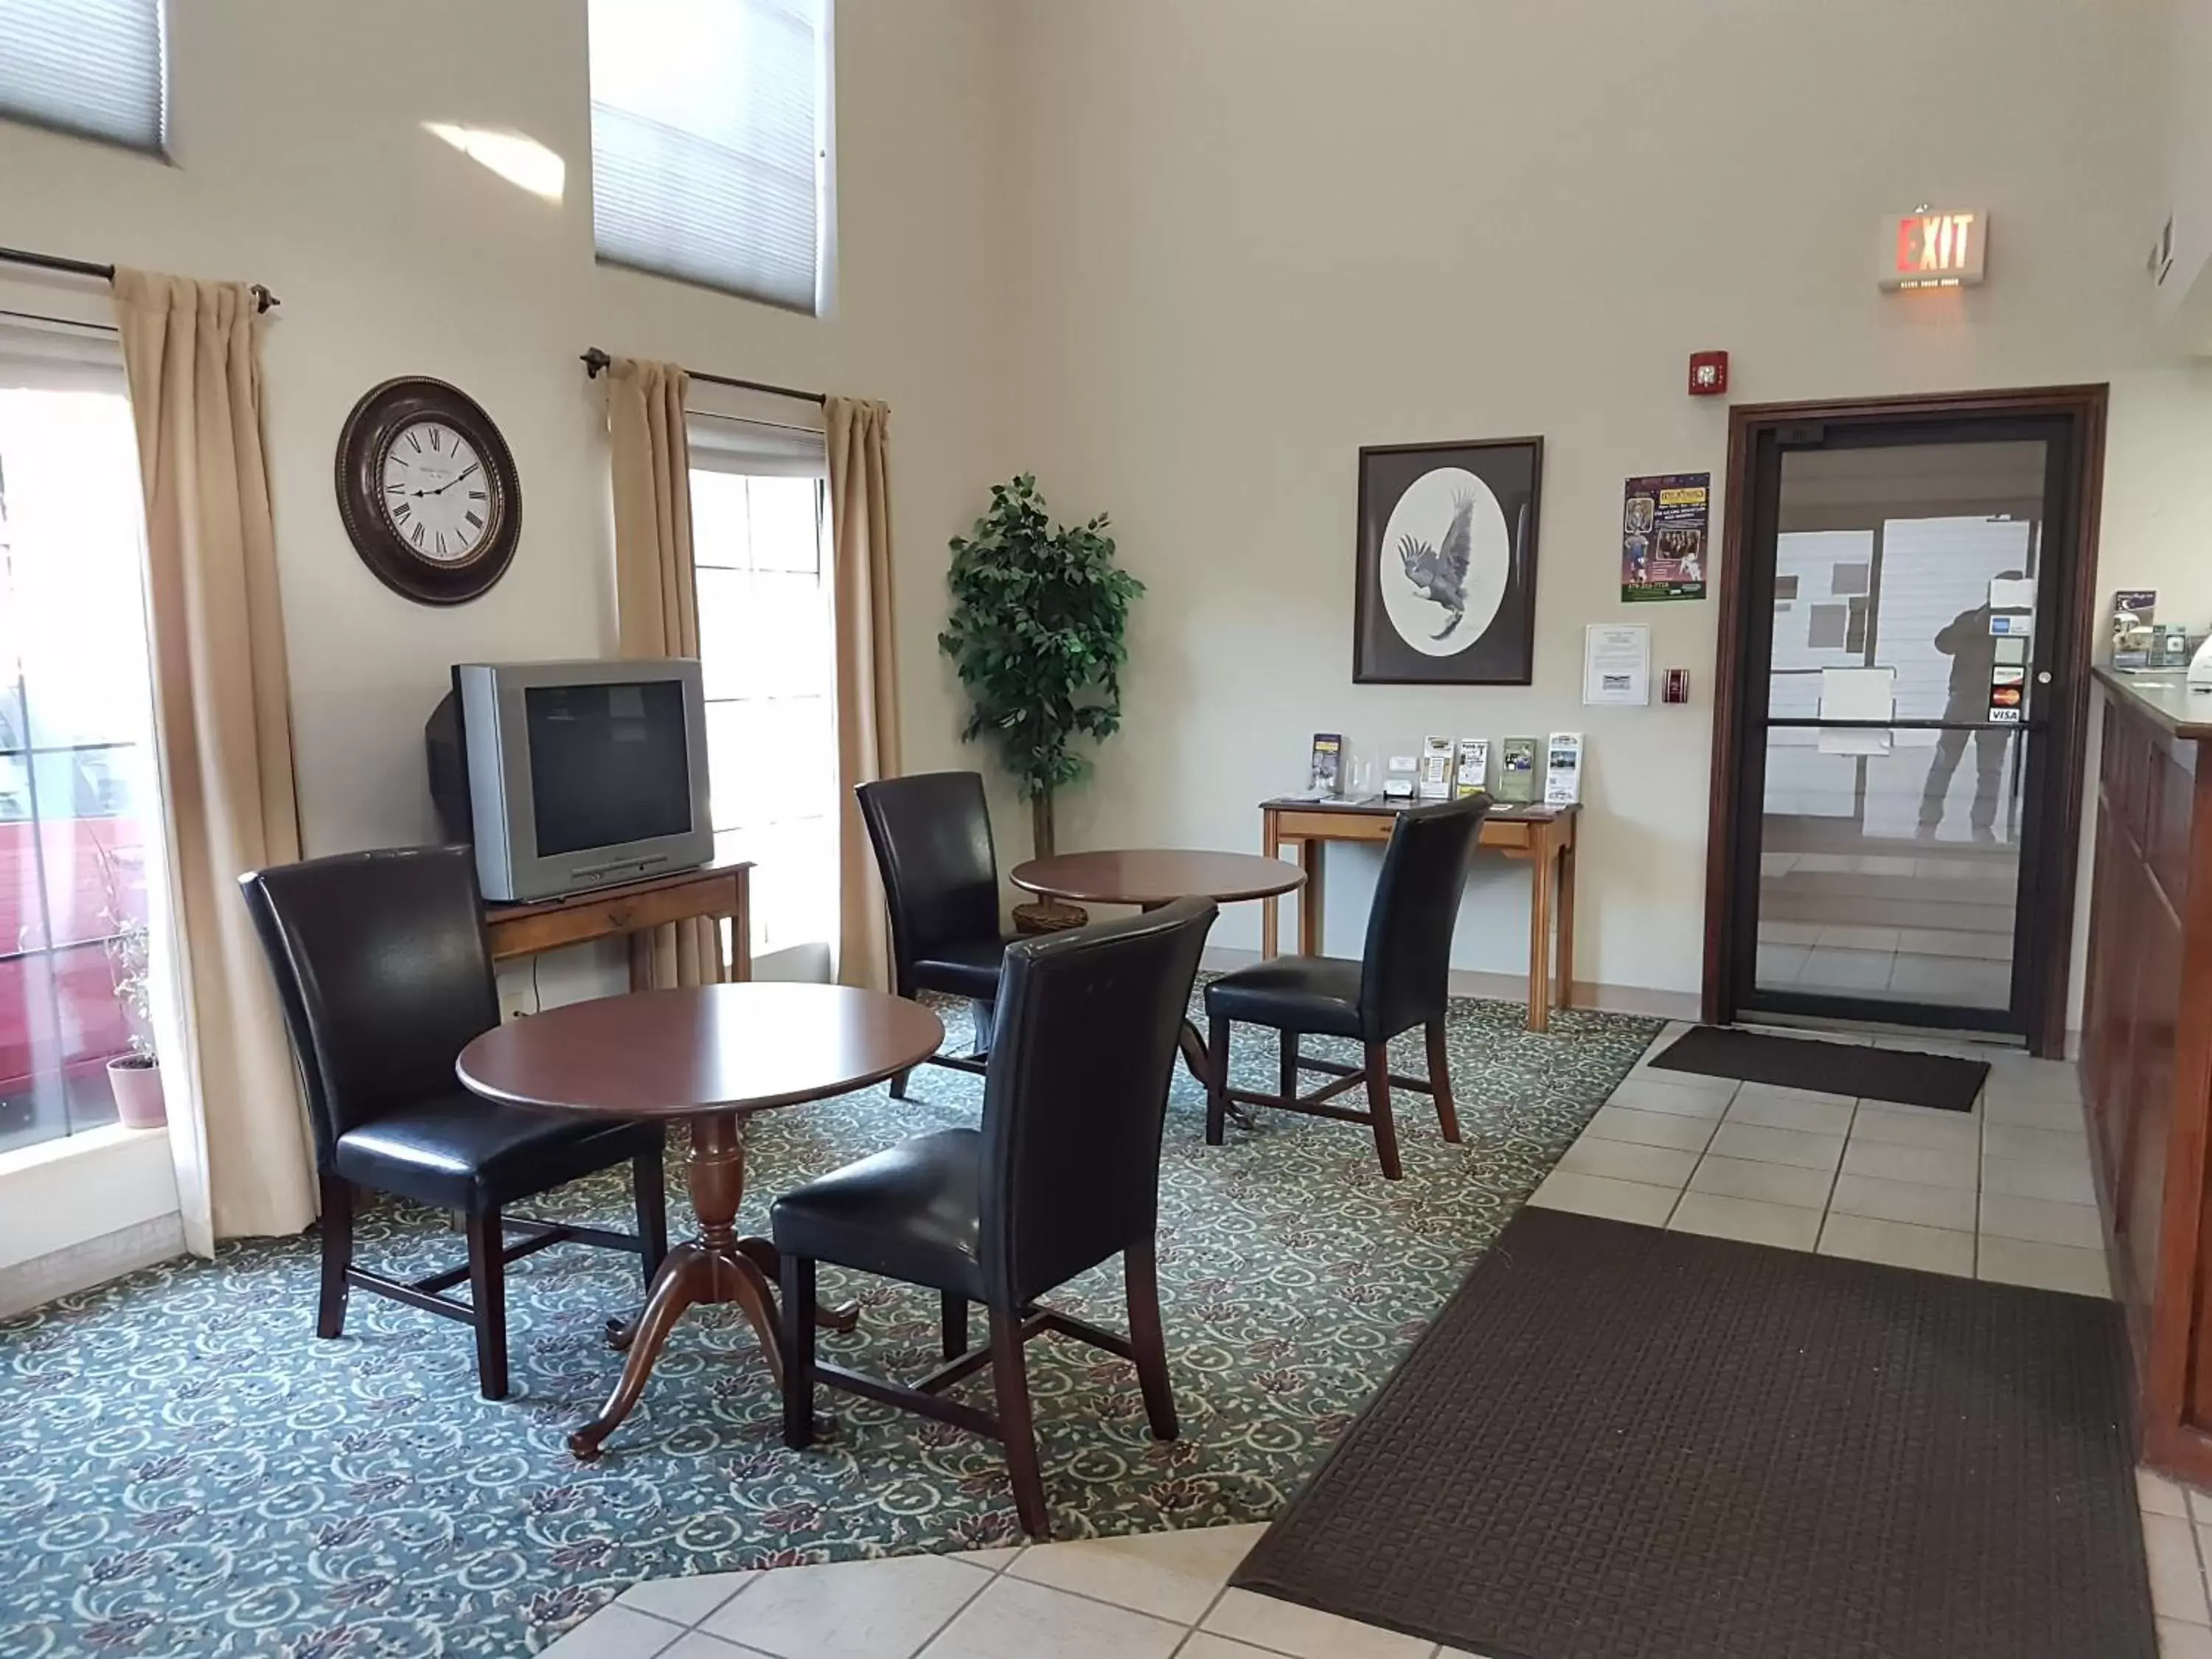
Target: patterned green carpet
(184,1469)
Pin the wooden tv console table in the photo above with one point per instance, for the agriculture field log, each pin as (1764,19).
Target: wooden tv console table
(723,888)
(1543,836)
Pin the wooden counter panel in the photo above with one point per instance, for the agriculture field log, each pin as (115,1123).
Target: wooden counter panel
(2147,1066)
(2138,1196)
(2169,797)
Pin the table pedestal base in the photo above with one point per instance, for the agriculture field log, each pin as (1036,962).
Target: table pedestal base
(717,1266)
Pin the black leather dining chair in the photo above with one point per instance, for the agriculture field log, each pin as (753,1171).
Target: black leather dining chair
(931,833)
(1063,1174)
(1401,980)
(381,965)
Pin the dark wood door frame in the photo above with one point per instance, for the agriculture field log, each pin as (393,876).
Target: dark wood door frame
(2067,740)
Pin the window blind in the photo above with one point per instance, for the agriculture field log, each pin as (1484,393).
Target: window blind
(93,67)
(707,143)
(755,449)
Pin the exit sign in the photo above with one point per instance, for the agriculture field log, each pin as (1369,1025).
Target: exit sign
(1929,249)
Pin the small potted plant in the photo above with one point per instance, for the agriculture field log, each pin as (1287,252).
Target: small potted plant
(1038,634)
(135,1078)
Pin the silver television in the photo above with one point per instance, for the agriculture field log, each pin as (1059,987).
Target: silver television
(571,775)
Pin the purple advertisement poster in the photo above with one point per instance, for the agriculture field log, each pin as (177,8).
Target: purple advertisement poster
(1664,522)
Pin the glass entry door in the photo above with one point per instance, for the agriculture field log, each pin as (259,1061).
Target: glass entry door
(1906,594)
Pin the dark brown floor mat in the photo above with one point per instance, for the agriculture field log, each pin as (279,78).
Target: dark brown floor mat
(1616,1443)
(1946,1082)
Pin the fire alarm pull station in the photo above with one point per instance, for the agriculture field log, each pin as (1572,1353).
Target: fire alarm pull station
(1678,685)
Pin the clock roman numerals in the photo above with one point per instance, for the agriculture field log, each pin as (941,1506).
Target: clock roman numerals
(429,492)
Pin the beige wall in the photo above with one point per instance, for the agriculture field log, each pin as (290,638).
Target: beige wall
(1182,259)
(302,162)
(2185,296)
(1261,235)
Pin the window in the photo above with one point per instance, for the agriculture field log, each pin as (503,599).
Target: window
(760,521)
(93,67)
(709,142)
(80,818)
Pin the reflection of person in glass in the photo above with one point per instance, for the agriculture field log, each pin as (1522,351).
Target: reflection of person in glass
(1972,650)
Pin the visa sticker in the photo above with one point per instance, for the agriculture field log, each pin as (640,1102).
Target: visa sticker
(2012,625)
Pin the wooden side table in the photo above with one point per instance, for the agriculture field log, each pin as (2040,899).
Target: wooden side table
(710,1055)
(712,891)
(1149,878)
(1544,836)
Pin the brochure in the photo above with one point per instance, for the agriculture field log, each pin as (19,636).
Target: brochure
(1473,775)
(1517,770)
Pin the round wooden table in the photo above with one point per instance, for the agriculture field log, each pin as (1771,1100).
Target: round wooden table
(712,1055)
(1151,877)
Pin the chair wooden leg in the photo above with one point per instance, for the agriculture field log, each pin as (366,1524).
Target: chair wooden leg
(1141,1273)
(1440,1082)
(1010,1378)
(337,1255)
(797,1320)
(899,1084)
(1217,1078)
(953,1326)
(488,1297)
(649,1182)
(1378,1102)
(1287,1079)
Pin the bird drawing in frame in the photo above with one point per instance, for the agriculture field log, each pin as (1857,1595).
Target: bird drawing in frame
(1441,574)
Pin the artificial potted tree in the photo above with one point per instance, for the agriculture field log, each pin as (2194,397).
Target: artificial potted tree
(1037,630)
(134,1079)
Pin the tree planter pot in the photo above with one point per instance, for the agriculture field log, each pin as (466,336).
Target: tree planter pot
(137,1082)
(1048,917)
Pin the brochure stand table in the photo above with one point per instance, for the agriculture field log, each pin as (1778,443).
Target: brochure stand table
(1544,836)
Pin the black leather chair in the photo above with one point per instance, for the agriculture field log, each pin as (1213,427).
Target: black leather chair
(1063,1174)
(931,834)
(381,965)
(1401,980)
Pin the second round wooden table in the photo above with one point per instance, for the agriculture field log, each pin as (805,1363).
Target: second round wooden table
(1149,878)
(711,1054)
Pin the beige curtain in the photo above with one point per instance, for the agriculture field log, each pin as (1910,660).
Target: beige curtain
(867,671)
(656,602)
(192,354)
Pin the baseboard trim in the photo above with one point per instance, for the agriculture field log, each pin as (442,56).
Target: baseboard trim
(1637,1000)
(43,1279)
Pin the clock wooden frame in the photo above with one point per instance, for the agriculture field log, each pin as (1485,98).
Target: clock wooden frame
(378,421)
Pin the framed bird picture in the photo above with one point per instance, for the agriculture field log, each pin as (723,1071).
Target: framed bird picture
(1447,564)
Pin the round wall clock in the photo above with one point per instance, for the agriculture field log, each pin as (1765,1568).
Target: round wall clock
(427,490)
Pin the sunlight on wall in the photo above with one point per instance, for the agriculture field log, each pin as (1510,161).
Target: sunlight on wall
(514,157)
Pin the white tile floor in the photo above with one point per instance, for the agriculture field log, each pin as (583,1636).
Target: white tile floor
(2001,1193)
(1146,1596)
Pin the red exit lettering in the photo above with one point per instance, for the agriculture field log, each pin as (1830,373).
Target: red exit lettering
(1935,242)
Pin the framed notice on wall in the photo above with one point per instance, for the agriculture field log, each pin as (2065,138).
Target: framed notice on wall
(1664,522)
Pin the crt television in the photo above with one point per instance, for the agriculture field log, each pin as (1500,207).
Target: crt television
(571,775)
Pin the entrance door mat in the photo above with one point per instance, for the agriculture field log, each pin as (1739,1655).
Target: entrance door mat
(1617,1443)
(1942,1081)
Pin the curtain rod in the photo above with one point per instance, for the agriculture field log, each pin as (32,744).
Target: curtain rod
(595,360)
(263,298)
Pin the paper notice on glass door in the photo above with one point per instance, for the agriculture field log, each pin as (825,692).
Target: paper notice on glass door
(1617,664)
(1856,694)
